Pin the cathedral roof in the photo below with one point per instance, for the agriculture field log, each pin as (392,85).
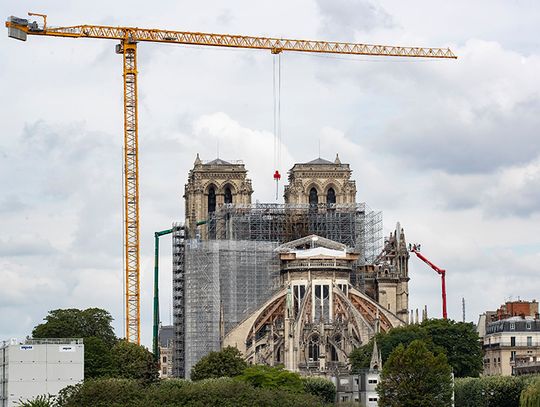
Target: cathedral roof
(320,161)
(218,161)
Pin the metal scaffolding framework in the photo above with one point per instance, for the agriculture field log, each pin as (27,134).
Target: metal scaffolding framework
(355,225)
(178,275)
(225,280)
(218,282)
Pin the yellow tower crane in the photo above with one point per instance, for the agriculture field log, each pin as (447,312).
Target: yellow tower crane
(20,28)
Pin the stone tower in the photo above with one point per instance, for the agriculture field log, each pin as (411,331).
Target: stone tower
(392,275)
(320,182)
(211,185)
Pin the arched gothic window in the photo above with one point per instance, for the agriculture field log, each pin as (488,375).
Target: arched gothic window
(228,196)
(313,198)
(331,196)
(313,348)
(211,200)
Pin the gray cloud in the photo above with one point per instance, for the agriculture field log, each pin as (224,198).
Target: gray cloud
(27,246)
(12,203)
(341,19)
(510,191)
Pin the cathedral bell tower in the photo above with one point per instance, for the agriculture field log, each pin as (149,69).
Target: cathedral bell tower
(211,185)
(320,182)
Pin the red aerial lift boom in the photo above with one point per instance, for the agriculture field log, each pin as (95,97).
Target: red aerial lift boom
(415,248)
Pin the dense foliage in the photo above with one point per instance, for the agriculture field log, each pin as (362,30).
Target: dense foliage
(457,340)
(226,363)
(76,323)
(39,401)
(490,391)
(415,377)
(104,354)
(268,377)
(320,387)
(227,392)
(530,396)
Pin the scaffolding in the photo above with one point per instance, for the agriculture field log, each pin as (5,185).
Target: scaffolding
(355,225)
(225,280)
(178,275)
(219,281)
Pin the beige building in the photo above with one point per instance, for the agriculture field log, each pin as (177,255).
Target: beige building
(511,344)
(166,354)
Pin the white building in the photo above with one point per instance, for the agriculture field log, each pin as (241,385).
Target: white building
(35,367)
(359,387)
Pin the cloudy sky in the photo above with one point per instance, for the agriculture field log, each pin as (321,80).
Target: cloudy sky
(447,147)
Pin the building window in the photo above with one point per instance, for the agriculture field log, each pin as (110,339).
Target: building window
(512,341)
(372,399)
(512,356)
(512,326)
(313,348)
(313,198)
(529,341)
(372,381)
(322,303)
(333,354)
(164,359)
(330,197)
(528,325)
(228,196)
(211,200)
(299,292)
(164,370)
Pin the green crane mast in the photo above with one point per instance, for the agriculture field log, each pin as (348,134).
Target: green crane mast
(155,344)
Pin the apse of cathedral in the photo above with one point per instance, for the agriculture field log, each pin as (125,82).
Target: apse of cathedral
(312,278)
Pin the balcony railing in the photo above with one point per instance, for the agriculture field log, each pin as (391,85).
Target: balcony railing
(516,344)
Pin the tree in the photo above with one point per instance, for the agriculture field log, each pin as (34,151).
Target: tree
(457,340)
(76,323)
(97,358)
(226,363)
(460,343)
(222,392)
(320,387)
(415,377)
(530,397)
(269,377)
(132,361)
(491,391)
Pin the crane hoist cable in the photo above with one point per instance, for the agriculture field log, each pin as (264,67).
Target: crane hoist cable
(276,92)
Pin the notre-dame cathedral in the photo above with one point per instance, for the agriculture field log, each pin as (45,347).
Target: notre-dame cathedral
(300,284)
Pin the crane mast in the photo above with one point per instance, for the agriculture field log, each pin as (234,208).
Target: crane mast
(20,28)
(416,250)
